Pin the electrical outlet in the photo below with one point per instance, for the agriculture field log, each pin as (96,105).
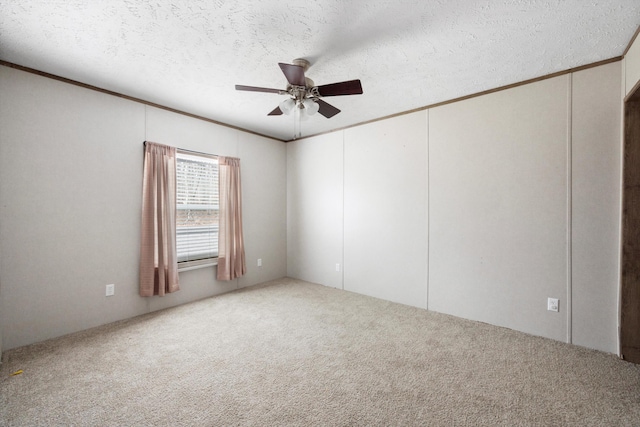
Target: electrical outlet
(111,289)
(259,262)
(337,267)
(553,304)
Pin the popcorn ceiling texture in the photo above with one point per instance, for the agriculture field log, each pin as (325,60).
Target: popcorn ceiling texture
(189,54)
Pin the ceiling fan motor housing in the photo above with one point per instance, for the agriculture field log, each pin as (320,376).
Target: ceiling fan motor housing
(301,62)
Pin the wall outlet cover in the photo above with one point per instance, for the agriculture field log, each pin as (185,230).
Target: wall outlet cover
(553,304)
(110,290)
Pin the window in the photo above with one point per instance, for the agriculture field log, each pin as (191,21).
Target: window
(197,207)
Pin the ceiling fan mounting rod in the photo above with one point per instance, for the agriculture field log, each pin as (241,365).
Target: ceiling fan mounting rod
(301,62)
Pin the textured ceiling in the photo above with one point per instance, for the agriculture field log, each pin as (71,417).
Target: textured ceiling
(188,54)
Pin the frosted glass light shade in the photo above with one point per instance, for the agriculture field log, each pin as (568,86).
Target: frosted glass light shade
(287,105)
(310,106)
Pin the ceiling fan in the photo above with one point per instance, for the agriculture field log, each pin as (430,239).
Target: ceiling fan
(304,94)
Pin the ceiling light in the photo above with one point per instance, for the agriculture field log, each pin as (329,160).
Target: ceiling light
(287,105)
(310,106)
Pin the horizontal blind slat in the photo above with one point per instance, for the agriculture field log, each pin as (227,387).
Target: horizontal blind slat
(198,205)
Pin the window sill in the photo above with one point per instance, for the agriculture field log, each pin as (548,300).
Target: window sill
(194,265)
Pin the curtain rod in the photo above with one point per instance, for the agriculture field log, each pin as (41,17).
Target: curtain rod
(190,151)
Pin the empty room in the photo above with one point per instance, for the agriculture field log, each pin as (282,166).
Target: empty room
(322,213)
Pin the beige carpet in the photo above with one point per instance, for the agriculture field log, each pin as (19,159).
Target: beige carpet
(292,353)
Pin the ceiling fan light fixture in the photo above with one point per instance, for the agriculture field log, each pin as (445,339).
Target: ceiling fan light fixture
(287,105)
(310,106)
(303,95)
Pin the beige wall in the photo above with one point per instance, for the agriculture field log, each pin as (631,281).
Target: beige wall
(315,191)
(70,192)
(482,208)
(436,209)
(498,207)
(385,227)
(357,198)
(595,194)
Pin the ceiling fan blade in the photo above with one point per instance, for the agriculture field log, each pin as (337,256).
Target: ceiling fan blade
(258,89)
(351,87)
(276,112)
(294,74)
(326,109)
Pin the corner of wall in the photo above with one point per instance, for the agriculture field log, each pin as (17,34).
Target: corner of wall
(632,67)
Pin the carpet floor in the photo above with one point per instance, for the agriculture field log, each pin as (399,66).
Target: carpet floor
(292,353)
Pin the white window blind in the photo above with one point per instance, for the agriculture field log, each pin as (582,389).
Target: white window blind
(197,206)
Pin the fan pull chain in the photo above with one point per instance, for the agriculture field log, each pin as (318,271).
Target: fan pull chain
(297,123)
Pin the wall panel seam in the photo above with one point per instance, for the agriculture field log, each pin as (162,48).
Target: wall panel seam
(428,208)
(344,161)
(569,209)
